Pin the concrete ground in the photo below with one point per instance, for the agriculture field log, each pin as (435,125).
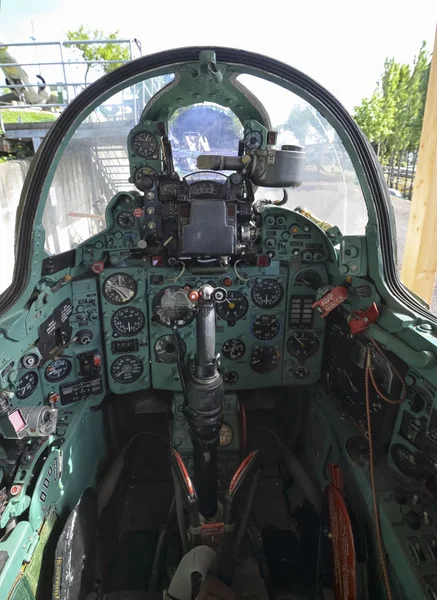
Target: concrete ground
(402,214)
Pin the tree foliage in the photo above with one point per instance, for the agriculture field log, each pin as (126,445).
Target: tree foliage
(98,52)
(392,117)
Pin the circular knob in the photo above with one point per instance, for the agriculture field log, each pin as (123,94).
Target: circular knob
(84,336)
(399,495)
(413,520)
(219,295)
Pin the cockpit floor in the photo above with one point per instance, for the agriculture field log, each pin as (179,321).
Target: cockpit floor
(139,507)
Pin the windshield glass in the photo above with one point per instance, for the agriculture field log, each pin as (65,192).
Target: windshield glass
(95,163)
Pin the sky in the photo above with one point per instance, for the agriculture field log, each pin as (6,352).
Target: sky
(340,43)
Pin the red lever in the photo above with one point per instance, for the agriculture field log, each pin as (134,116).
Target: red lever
(363,318)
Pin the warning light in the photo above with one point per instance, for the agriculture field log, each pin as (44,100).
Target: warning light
(138,212)
(98,267)
(263,261)
(16,489)
(227,281)
(294,229)
(193,296)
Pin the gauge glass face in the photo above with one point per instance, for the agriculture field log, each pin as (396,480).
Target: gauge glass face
(144,144)
(301,372)
(206,189)
(143,178)
(166,349)
(358,450)
(125,219)
(253,140)
(126,369)
(27,385)
(310,279)
(128,320)
(265,327)
(58,370)
(233,308)
(226,435)
(264,360)
(230,377)
(302,344)
(233,349)
(268,293)
(119,288)
(404,460)
(172,305)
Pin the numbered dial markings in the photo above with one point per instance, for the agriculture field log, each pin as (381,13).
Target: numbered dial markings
(119,288)
(128,321)
(267,293)
(27,385)
(233,308)
(302,344)
(143,178)
(265,327)
(404,460)
(58,370)
(310,279)
(264,360)
(172,305)
(233,349)
(166,349)
(144,144)
(230,377)
(125,219)
(126,369)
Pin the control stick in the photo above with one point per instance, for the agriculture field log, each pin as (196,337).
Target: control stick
(204,407)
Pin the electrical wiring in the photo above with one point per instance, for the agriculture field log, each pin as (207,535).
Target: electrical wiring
(240,277)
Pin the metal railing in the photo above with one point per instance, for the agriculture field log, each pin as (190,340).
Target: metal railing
(65,89)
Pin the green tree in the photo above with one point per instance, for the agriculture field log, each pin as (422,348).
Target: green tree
(392,117)
(98,52)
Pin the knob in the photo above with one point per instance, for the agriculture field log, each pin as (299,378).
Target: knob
(219,295)
(413,520)
(84,336)
(399,495)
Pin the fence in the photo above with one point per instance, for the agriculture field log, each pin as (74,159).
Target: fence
(400,172)
(66,89)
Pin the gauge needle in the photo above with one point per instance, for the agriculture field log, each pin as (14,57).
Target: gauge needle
(298,341)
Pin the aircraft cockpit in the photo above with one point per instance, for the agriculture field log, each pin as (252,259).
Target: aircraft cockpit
(210,374)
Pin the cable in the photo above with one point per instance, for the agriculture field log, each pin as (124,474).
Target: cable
(368,375)
(180,274)
(375,385)
(240,277)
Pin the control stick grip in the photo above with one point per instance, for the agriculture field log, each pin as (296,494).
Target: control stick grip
(205,360)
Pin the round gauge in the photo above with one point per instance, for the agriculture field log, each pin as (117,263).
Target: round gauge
(310,279)
(172,305)
(233,349)
(128,320)
(30,360)
(230,377)
(166,349)
(143,178)
(233,308)
(265,327)
(144,144)
(253,140)
(419,400)
(58,370)
(226,435)
(268,293)
(125,219)
(126,368)
(302,344)
(301,372)
(119,288)
(403,459)
(26,385)
(358,450)
(264,360)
